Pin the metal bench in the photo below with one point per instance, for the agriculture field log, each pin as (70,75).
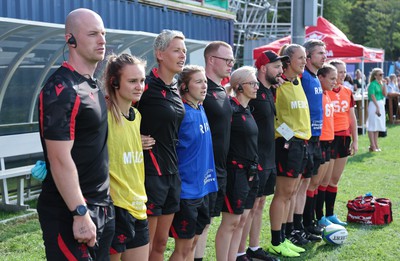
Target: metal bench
(14,146)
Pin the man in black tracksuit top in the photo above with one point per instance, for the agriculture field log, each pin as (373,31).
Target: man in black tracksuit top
(219,61)
(219,112)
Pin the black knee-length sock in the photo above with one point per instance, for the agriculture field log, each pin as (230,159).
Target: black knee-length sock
(319,205)
(330,199)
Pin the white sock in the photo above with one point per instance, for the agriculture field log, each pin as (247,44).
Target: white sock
(254,248)
(241,254)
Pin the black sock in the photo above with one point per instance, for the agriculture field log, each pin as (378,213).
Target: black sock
(198,259)
(283,230)
(276,237)
(330,199)
(319,205)
(308,209)
(314,203)
(298,221)
(289,228)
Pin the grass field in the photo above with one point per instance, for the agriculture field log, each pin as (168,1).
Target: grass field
(378,173)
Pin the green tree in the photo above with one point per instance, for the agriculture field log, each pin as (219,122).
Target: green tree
(375,24)
(337,12)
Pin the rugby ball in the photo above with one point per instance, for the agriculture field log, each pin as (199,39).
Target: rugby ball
(334,234)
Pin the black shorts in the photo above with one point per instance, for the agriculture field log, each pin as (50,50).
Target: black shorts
(267,182)
(340,147)
(291,157)
(251,197)
(163,194)
(129,232)
(325,151)
(191,219)
(314,156)
(56,222)
(216,199)
(237,190)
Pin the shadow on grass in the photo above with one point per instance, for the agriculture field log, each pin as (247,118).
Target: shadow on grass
(361,156)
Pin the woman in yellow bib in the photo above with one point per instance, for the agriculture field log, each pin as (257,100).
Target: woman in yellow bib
(124,83)
(292,130)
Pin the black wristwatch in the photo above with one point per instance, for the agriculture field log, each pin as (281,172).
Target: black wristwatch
(80,210)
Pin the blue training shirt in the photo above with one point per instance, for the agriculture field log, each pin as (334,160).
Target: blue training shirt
(313,90)
(195,155)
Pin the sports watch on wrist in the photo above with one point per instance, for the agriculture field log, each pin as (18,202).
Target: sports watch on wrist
(80,210)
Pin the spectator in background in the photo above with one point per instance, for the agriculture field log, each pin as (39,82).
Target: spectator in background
(162,113)
(349,83)
(386,81)
(397,67)
(376,121)
(75,210)
(124,83)
(219,61)
(359,80)
(393,93)
(196,165)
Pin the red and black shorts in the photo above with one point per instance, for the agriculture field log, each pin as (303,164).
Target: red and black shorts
(267,182)
(325,151)
(216,199)
(314,155)
(129,232)
(251,197)
(56,222)
(191,219)
(340,147)
(238,189)
(163,194)
(291,156)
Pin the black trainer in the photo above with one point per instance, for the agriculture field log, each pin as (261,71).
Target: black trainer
(260,254)
(313,229)
(318,226)
(244,257)
(312,237)
(299,238)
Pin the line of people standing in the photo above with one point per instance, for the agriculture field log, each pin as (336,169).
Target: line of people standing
(155,157)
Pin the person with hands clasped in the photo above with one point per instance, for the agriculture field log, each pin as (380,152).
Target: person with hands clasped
(269,72)
(75,209)
(376,108)
(242,165)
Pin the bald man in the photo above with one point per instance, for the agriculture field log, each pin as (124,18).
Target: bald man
(75,209)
